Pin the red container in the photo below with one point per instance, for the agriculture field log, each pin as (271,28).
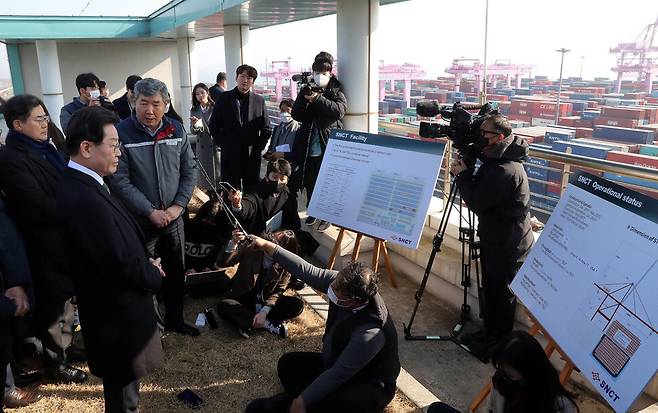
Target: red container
(584,132)
(584,123)
(554,188)
(569,120)
(622,113)
(524,118)
(633,159)
(618,122)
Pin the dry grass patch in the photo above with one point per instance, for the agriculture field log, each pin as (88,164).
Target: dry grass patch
(224,369)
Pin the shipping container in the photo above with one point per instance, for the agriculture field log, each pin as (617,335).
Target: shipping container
(615,134)
(645,161)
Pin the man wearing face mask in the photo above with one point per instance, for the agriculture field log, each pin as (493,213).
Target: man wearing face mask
(318,113)
(88,88)
(283,136)
(498,193)
(359,363)
(267,198)
(240,127)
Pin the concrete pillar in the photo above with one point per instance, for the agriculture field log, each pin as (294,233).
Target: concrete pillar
(278,87)
(187,66)
(508,80)
(392,85)
(407,91)
(358,61)
(236,40)
(51,80)
(293,89)
(382,89)
(518,81)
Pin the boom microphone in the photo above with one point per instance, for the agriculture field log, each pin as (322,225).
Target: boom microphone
(428,108)
(431,108)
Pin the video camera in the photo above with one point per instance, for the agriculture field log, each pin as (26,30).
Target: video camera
(463,129)
(306,83)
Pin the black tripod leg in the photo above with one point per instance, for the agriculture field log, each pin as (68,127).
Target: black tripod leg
(436,246)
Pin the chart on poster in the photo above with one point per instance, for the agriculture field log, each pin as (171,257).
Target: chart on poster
(590,281)
(378,185)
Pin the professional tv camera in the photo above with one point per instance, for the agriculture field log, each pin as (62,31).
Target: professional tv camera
(463,129)
(306,83)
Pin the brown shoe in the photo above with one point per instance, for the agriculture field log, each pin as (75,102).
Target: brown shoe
(21,398)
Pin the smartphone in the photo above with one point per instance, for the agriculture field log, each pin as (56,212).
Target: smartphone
(190,399)
(210,318)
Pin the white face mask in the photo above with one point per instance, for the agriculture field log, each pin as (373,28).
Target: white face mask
(94,94)
(333,298)
(321,79)
(166,108)
(285,117)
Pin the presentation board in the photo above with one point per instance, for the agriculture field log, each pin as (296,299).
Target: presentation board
(378,185)
(591,282)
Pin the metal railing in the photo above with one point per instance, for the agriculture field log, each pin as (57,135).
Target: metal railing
(563,164)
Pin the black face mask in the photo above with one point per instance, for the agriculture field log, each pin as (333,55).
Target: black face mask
(276,186)
(505,386)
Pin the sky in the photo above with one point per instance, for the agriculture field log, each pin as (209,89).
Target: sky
(431,33)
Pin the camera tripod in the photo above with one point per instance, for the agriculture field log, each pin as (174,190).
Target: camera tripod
(469,253)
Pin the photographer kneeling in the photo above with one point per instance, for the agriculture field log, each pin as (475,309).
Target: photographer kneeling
(359,363)
(498,194)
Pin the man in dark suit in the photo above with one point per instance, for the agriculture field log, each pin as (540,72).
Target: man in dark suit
(123,105)
(15,283)
(114,278)
(240,127)
(219,87)
(30,168)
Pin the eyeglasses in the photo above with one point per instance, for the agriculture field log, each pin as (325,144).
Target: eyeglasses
(484,132)
(42,119)
(114,147)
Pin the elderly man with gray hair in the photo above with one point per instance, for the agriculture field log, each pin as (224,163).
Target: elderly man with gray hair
(155,179)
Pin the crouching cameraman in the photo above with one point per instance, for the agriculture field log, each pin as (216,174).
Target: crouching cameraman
(498,194)
(359,363)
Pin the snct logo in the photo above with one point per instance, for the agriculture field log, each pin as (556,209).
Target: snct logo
(607,389)
(400,239)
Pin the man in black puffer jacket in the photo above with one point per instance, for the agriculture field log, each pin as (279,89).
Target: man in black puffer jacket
(318,113)
(359,363)
(498,194)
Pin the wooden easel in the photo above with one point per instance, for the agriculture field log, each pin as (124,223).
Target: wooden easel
(551,347)
(380,246)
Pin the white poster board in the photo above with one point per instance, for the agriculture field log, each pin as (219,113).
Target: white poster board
(378,185)
(591,281)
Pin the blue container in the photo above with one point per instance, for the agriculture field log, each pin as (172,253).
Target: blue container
(615,134)
(523,92)
(582,96)
(536,172)
(537,188)
(578,106)
(590,114)
(551,136)
(581,149)
(631,180)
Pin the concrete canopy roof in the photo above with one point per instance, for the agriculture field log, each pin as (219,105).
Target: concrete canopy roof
(201,19)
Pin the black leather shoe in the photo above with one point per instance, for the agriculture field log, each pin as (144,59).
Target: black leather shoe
(182,328)
(20,398)
(66,374)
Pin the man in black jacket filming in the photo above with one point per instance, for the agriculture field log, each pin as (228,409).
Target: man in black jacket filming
(498,194)
(318,112)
